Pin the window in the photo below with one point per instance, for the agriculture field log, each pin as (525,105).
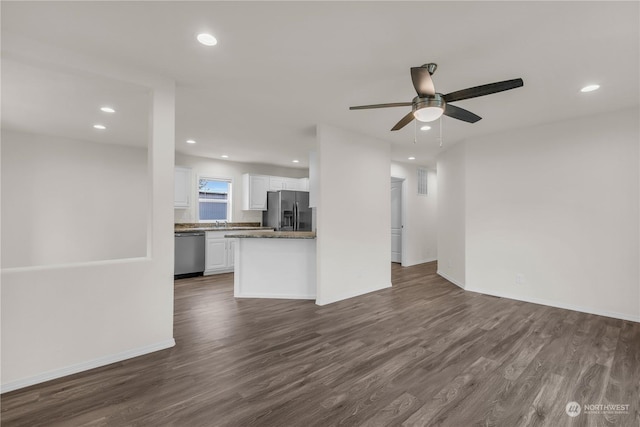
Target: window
(214,199)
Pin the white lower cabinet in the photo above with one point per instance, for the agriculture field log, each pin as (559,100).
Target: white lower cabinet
(216,255)
(219,252)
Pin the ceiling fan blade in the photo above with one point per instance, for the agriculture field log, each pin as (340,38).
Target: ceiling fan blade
(483,90)
(404,121)
(422,82)
(460,114)
(392,104)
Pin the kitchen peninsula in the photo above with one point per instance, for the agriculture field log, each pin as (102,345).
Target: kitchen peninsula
(280,264)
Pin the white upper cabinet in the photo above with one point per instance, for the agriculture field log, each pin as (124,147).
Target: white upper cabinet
(303,184)
(281,183)
(276,183)
(255,187)
(182,190)
(254,192)
(292,184)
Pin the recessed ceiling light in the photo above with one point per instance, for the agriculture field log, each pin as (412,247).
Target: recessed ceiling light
(412,158)
(107,110)
(425,128)
(190,141)
(207,39)
(224,156)
(295,161)
(590,88)
(101,127)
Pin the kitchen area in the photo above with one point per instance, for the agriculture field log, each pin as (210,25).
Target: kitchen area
(256,225)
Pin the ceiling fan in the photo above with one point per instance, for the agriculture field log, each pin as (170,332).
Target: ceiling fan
(430,105)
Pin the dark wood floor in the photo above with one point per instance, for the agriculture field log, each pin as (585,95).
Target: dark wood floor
(423,352)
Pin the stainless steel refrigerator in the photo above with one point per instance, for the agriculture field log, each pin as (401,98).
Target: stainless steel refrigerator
(287,211)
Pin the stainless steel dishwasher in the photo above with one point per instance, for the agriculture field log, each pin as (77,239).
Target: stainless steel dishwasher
(189,254)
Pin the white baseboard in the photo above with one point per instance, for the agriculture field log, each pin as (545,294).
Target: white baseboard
(220,271)
(440,273)
(85,366)
(422,261)
(562,305)
(352,294)
(275,296)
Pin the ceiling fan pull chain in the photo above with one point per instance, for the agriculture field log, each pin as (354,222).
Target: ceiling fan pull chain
(441,121)
(415,131)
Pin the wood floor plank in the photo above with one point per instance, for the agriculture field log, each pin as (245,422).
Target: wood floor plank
(423,352)
(451,393)
(392,413)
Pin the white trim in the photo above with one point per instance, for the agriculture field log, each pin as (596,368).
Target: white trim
(562,305)
(422,261)
(276,296)
(440,273)
(82,264)
(85,366)
(352,294)
(218,271)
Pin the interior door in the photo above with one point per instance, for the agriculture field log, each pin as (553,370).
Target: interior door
(396,221)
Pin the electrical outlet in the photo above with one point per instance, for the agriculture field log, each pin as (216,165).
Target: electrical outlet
(519,279)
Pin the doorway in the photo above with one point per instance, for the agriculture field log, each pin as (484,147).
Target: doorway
(396,220)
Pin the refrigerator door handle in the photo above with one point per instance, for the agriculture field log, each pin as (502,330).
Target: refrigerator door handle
(295,217)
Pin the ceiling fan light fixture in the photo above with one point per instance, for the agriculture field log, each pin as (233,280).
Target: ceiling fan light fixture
(428,109)
(428,114)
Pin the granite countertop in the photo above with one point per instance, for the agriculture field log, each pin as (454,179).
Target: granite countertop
(276,235)
(184,228)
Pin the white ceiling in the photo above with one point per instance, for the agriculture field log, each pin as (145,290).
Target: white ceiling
(56,102)
(281,68)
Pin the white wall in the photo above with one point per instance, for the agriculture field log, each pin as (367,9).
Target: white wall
(66,201)
(57,320)
(451,214)
(420,237)
(202,166)
(557,204)
(353,214)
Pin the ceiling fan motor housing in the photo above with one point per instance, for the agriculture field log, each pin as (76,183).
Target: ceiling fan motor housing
(436,101)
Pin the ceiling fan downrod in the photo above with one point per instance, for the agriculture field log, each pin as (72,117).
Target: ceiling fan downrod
(431,67)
